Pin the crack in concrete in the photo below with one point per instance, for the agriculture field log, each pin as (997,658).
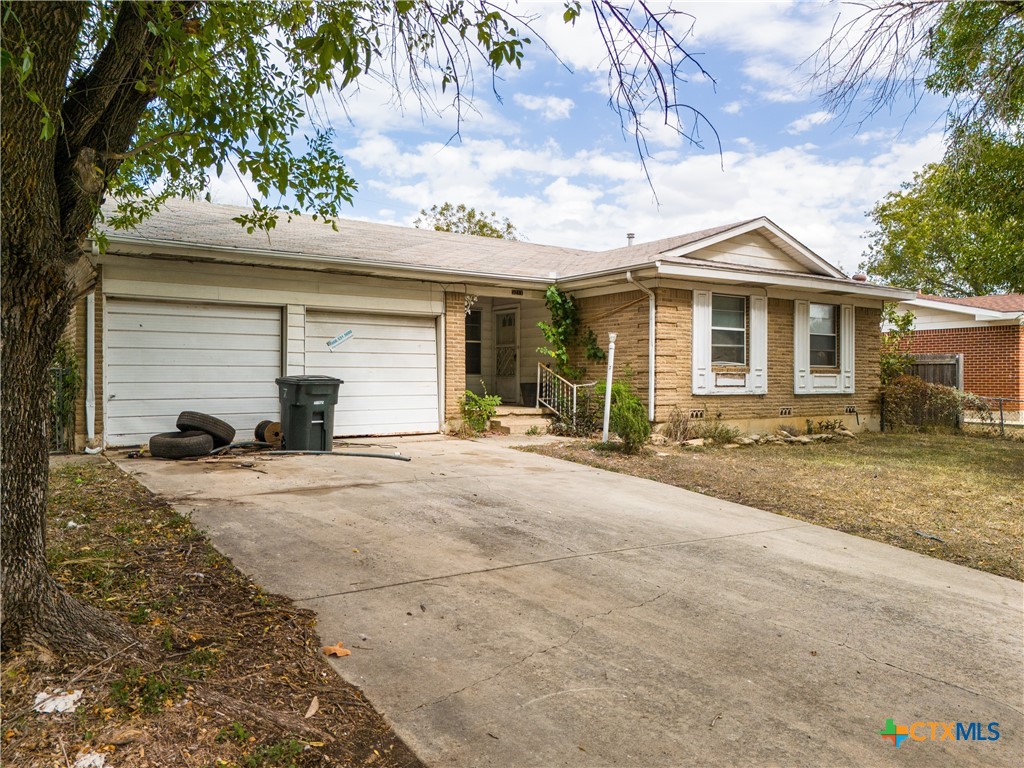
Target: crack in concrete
(845,644)
(538,652)
(545,561)
(916,673)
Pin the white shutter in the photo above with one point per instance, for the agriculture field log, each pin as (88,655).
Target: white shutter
(701,342)
(847,334)
(801,348)
(757,380)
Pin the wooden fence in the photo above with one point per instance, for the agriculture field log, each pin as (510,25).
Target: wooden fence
(947,370)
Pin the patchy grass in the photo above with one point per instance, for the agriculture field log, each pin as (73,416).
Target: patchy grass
(223,675)
(966,490)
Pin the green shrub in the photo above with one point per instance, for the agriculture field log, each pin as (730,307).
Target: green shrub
(477,410)
(910,403)
(628,417)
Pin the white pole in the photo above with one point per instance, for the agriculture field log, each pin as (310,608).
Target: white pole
(608,387)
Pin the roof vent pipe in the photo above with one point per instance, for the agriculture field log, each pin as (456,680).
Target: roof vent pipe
(629,238)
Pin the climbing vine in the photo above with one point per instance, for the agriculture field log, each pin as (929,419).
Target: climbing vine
(564,332)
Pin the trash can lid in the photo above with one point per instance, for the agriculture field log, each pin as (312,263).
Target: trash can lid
(311,379)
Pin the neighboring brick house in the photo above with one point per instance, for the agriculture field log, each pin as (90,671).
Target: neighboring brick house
(192,313)
(987,330)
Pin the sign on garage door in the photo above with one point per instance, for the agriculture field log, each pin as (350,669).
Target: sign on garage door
(388,364)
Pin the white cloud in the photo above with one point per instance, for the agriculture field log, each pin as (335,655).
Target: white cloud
(590,199)
(550,107)
(733,108)
(805,123)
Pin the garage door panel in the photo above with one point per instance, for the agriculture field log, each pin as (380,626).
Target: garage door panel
(396,422)
(223,408)
(389,367)
(320,331)
(360,389)
(377,375)
(121,322)
(166,340)
(165,357)
(191,390)
(183,310)
(386,403)
(204,358)
(158,374)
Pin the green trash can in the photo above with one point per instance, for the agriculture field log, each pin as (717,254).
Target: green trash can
(307,411)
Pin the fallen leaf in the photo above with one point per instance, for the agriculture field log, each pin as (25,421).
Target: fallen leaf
(336,650)
(314,707)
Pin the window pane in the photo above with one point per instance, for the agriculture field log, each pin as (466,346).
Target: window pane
(823,351)
(823,318)
(473,359)
(725,354)
(473,326)
(728,311)
(721,318)
(730,303)
(728,338)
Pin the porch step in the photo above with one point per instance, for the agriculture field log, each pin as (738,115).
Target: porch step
(521,423)
(520,410)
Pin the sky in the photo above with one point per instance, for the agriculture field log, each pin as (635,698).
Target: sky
(549,153)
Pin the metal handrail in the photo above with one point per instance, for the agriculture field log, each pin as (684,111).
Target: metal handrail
(558,394)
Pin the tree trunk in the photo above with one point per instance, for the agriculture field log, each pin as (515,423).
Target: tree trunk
(38,255)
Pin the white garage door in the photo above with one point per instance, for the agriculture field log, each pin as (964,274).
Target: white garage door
(164,357)
(389,366)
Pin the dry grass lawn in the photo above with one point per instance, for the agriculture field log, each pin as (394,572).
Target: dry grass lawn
(904,489)
(224,674)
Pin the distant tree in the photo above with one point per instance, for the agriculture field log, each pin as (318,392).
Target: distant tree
(969,52)
(466,221)
(957,228)
(895,359)
(925,240)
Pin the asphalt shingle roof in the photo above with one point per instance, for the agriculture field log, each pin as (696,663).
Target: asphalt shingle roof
(1005,302)
(205,224)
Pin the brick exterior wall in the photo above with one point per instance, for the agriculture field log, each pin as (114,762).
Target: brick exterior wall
(624,314)
(673,361)
(454,353)
(993,356)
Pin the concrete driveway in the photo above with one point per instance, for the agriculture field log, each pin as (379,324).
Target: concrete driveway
(507,609)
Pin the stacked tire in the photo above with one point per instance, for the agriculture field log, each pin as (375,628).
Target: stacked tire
(198,434)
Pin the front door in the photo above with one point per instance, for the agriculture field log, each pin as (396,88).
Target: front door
(506,354)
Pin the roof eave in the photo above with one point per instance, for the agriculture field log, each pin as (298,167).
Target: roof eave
(978,313)
(809,282)
(129,246)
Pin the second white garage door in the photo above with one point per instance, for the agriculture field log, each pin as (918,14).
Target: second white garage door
(389,366)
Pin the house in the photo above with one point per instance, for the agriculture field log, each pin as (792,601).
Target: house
(190,312)
(988,331)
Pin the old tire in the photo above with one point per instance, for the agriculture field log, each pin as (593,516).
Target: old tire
(261,430)
(180,445)
(221,432)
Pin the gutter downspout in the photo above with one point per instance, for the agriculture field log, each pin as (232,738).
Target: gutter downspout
(650,343)
(90,373)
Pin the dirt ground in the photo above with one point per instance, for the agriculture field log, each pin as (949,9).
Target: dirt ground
(224,674)
(955,497)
